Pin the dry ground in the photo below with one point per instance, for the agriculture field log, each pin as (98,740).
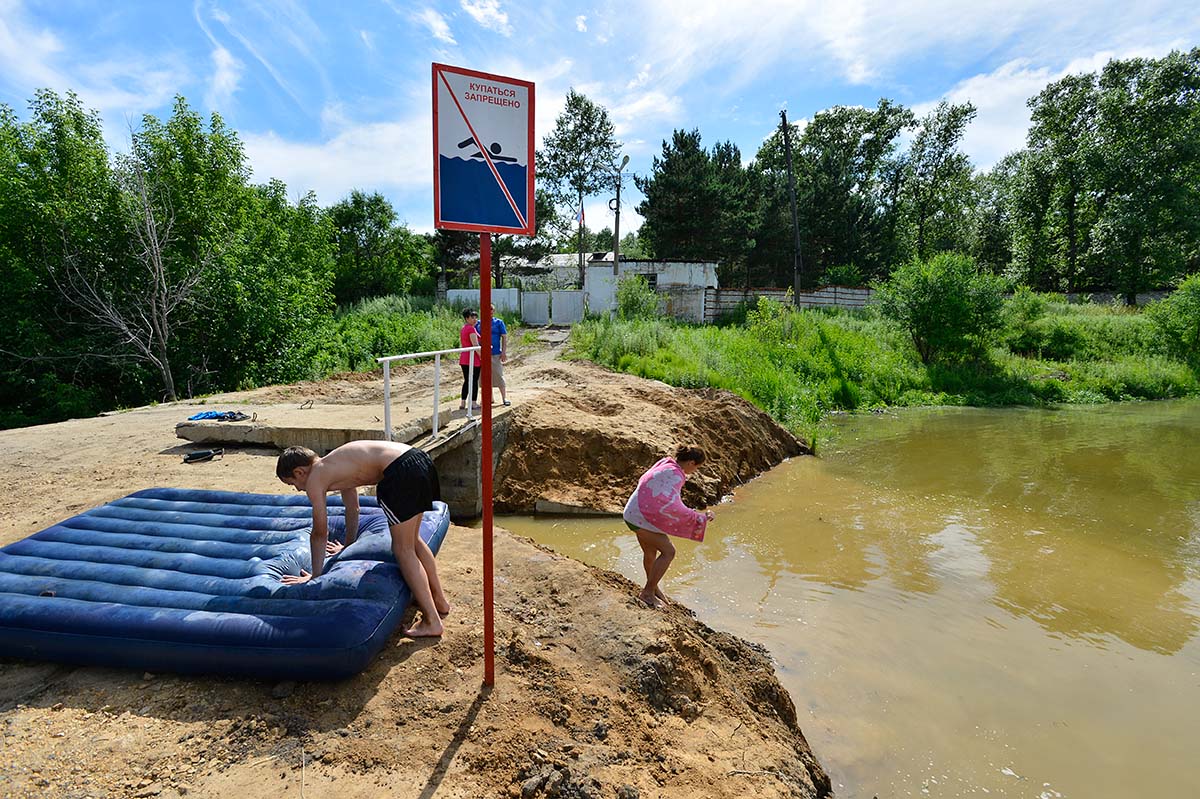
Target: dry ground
(595,695)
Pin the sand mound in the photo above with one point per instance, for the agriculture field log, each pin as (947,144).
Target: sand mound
(596,696)
(586,446)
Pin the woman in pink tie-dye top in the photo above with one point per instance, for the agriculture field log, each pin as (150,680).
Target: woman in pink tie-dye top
(656,511)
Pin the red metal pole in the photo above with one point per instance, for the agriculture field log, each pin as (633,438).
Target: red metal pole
(485,460)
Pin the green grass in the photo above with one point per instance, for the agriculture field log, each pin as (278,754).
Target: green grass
(801,365)
(386,326)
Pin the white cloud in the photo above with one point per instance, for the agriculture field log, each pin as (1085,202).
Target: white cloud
(33,57)
(869,41)
(640,79)
(437,25)
(367,39)
(26,54)
(635,110)
(1000,97)
(227,74)
(489,15)
(581,23)
(392,156)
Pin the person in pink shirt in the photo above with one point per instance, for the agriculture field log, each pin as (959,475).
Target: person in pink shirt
(656,511)
(468,336)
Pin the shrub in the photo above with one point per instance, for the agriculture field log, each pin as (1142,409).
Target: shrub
(635,299)
(1177,321)
(945,304)
(844,275)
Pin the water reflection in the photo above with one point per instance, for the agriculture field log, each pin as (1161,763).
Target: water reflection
(1078,511)
(968,601)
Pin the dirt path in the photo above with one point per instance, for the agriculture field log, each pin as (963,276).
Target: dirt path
(597,695)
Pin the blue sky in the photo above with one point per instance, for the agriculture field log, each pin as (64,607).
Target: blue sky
(333,96)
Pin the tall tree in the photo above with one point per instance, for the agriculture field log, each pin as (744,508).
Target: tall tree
(577,157)
(58,196)
(1063,129)
(843,158)
(374,255)
(936,181)
(681,200)
(1148,219)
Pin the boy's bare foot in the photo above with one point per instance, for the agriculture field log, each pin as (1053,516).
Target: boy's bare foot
(428,628)
(650,600)
(444,611)
(663,597)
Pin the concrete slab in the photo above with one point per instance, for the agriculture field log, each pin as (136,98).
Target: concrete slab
(323,428)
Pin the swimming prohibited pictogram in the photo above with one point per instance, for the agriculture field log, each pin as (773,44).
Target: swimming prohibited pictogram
(482,152)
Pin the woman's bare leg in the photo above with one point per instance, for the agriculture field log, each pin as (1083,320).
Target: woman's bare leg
(664,553)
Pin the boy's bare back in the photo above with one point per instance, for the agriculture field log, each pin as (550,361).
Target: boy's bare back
(358,463)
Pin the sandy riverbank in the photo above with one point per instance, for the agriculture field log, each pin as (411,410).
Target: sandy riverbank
(596,696)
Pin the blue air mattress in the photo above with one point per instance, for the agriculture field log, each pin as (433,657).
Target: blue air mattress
(188,581)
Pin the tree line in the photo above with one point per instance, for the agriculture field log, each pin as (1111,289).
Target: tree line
(165,271)
(1105,194)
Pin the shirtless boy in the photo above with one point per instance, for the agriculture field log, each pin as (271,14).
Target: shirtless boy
(406,486)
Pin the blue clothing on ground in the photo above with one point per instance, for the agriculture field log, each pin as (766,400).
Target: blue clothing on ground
(498,330)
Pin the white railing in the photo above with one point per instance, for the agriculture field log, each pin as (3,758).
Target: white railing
(437,383)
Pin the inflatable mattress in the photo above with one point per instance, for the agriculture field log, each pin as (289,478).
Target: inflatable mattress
(188,581)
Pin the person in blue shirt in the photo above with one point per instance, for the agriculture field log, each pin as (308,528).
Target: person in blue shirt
(499,355)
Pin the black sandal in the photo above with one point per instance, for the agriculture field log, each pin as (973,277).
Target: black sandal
(202,455)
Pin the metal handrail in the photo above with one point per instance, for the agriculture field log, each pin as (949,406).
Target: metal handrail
(437,383)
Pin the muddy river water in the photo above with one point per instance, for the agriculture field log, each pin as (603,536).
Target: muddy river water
(967,602)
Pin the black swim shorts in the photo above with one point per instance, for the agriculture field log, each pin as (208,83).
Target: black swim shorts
(409,486)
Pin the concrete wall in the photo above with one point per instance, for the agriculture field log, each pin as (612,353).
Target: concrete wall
(686,274)
(681,286)
(684,303)
(723,301)
(458,471)
(535,307)
(601,289)
(566,307)
(1109,297)
(506,300)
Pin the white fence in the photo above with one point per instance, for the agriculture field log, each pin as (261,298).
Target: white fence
(505,300)
(535,307)
(566,307)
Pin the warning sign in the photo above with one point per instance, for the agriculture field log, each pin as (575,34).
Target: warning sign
(482,152)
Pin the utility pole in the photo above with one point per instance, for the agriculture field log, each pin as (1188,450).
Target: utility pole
(797,263)
(617,221)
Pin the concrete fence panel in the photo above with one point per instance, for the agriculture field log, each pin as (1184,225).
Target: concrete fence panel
(505,300)
(566,307)
(535,307)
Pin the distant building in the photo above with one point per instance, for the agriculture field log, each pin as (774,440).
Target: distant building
(683,285)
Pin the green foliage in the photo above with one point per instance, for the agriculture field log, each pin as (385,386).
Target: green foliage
(576,158)
(935,182)
(1176,319)
(1105,195)
(844,162)
(388,326)
(947,307)
(373,255)
(844,275)
(801,365)
(635,299)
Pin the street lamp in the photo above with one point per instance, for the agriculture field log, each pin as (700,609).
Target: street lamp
(615,205)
